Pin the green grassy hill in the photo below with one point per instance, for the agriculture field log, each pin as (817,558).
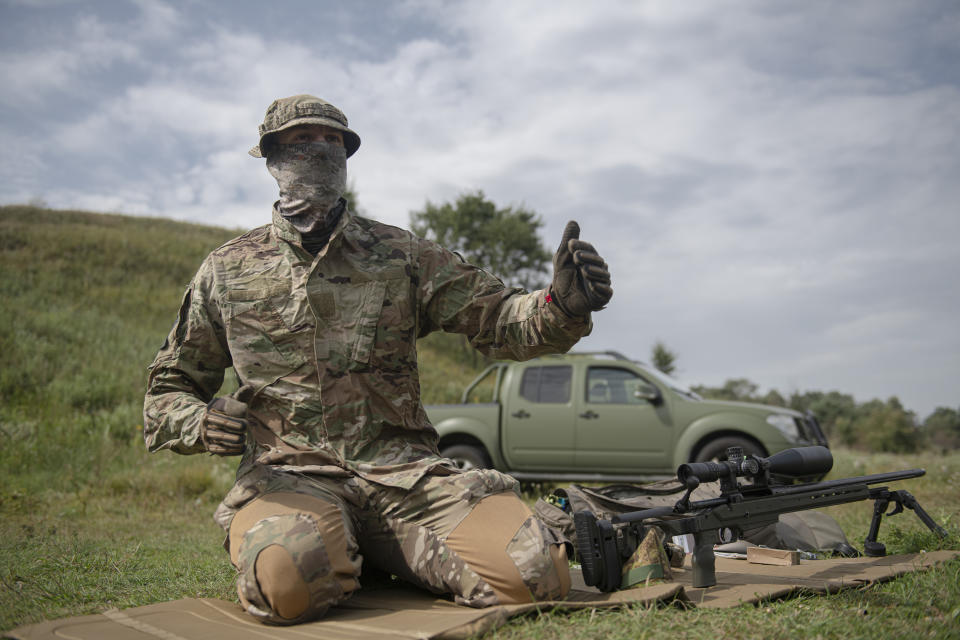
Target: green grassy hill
(89,520)
(88,299)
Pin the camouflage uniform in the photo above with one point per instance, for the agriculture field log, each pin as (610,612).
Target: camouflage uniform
(328,343)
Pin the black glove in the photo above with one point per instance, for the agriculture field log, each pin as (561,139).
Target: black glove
(581,281)
(224,427)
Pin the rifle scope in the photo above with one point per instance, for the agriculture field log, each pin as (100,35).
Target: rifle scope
(793,463)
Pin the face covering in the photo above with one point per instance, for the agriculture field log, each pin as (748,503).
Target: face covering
(312,176)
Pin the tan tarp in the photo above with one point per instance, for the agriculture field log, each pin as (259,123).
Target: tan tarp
(396,612)
(739,582)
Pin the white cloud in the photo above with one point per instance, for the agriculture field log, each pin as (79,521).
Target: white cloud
(30,77)
(773,185)
(79,46)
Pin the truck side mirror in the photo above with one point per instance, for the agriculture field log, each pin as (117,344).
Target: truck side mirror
(649,394)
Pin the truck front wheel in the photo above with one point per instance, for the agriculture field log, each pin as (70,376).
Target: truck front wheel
(716,449)
(466,457)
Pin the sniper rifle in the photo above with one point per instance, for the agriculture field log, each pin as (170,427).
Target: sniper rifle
(604,545)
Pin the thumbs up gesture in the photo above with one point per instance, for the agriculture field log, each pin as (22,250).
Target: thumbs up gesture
(581,281)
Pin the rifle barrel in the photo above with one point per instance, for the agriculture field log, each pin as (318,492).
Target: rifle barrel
(777,490)
(876,478)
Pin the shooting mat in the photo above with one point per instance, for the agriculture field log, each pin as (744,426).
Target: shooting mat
(399,612)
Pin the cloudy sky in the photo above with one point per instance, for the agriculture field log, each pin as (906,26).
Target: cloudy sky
(775,185)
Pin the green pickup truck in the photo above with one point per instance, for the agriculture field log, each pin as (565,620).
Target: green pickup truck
(602,417)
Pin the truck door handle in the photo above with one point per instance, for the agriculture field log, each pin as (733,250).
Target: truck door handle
(520,414)
(589,415)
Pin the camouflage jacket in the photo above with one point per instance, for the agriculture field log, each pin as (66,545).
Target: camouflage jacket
(329,345)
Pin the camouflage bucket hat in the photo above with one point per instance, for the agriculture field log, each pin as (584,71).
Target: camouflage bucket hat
(289,112)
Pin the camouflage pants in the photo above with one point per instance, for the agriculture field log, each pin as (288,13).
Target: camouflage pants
(299,542)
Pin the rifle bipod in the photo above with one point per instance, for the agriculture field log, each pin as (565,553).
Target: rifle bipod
(901,499)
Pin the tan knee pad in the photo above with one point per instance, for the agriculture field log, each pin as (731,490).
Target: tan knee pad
(293,564)
(280,582)
(337,537)
(285,574)
(507,546)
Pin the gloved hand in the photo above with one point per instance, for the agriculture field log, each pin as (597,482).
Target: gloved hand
(581,281)
(224,427)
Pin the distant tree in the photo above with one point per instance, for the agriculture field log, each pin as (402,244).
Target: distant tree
(774,398)
(827,407)
(663,358)
(942,427)
(890,428)
(878,426)
(503,240)
(943,418)
(875,425)
(844,431)
(870,406)
(739,389)
(803,401)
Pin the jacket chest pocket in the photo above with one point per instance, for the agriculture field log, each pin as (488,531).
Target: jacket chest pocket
(347,314)
(364,320)
(366,304)
(261,344)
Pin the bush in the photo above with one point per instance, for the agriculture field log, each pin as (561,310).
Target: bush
(942,428)
(889,429)
(874,425)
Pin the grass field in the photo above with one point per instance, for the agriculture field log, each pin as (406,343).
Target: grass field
(89,520)
(146,535)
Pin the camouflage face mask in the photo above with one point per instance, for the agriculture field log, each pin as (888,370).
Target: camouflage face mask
(312,176)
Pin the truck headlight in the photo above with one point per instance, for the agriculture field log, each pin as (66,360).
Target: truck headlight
(785,425)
